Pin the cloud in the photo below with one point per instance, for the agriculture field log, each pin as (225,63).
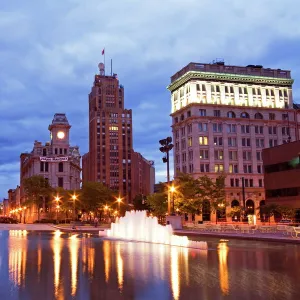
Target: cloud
(49,51)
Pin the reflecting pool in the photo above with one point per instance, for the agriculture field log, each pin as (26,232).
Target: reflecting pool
(42,266)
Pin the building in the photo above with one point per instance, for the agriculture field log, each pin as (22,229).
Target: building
(57,161)
(222,118)
(143,175)
(282,174)
(109,159)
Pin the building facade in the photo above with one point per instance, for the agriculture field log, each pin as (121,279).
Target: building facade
(109,159)
(222,118)
(282,174)
(143,175)
(57,161)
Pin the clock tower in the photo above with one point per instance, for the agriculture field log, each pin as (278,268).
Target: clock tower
(59,130)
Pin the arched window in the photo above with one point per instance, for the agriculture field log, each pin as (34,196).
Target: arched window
(235,211)
(230,114)
(235,203)
(258,116)
(245,115)
(249,207)
(60,167)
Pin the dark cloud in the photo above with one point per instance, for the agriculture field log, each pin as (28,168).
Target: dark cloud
(49,51)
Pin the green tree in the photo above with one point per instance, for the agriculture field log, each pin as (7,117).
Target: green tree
(187,194)
(286,212)
(158,203)
(268,210)
(95,196)
(140,202)
(36,189)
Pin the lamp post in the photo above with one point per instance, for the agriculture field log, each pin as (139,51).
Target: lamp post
(220,206)
(119,200)
(57,206)
(172,190)
(167,146)
(74,197)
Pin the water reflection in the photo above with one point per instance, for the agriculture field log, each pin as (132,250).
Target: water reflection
(62,266)
(73,247)
(223,268)
(17,256)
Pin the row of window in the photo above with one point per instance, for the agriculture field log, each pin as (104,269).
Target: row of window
(44,167)
(233,168)
(231,114)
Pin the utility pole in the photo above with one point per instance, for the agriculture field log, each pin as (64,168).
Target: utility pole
(167,146)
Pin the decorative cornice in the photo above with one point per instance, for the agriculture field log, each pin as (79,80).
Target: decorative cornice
(235,78)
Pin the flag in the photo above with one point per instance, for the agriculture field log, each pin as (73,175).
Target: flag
(103,51)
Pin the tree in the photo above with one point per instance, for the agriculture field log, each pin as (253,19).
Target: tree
(187,194)
(158,203)
(96,195)
(36,188)
(286,212)
(140,202)
(269,210)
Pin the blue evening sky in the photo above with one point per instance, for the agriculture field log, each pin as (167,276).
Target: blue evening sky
(50,49)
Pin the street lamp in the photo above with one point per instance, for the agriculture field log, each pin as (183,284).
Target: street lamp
(220,206)
(57,201)
(167,146)
(119,200)
(74,198)
(172,190)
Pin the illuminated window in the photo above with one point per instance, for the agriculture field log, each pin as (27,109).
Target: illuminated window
(245,115)
(190,141)
(233,168)
(203,154)
(230,114)
(219,168)
(113,128)
(203,140)
(219,154)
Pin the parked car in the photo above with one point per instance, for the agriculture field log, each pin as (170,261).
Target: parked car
(8,220)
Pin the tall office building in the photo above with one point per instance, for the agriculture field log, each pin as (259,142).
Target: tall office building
(222,118)
(110,136)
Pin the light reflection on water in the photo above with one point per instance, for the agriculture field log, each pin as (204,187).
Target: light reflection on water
(67,266)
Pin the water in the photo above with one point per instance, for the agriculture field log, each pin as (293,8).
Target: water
(42,266)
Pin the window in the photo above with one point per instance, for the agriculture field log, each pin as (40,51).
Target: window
(218,141)
(60,181)
(245,129)
(259,169)
(233,155)
(259,129)
(246,142)
(260,143)
(189,128)
(245,115)
(41,166)
(183,155)
(46,167)
(231,142)
(219,154)
(285,116)
(203,154)
(285,130)
(217,113)
(188,113)
(183,131)
(190,142)
(60,151)
(204,168)
(272,130)
(231,128)
(202,127)
(190,155)
(65,151)
(176,120)
(183,144)
(272,143)
(191,168)
(219,168)
(231,182)
(258,116)
(177,134)
(271,116)
(247,168)
(60,167)
(217,127)
(237,182)
(230,114)
(202,112)
(182,117)
(260,182)
(258,155)
(233,168)
(44,152)
(251,182)
(203,140)
(55,151)
(247,155)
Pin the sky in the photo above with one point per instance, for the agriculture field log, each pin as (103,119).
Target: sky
(50,49)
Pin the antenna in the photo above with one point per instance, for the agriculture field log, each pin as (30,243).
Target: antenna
(111,67)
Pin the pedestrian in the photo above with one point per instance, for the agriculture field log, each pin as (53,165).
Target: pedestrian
(96,222)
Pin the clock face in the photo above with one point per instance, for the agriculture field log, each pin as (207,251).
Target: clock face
(60,135)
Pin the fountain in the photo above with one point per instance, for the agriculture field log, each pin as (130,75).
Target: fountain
(136,226)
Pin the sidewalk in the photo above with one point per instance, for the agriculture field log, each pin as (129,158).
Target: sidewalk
(257,236)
